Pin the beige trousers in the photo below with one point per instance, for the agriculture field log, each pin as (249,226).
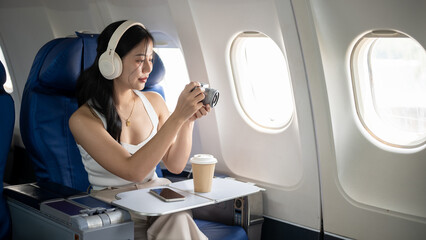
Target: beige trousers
(175,226)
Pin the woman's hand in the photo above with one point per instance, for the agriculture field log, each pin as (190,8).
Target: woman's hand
(189,105)
(203,111)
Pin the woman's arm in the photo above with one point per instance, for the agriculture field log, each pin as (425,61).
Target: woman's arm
(177,155)
(90,133)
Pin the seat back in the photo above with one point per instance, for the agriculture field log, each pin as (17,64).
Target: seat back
(7,123)
(48,102)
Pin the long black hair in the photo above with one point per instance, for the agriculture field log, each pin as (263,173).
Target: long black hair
(91,85)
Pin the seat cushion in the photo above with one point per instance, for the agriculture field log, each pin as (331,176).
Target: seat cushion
(219,231)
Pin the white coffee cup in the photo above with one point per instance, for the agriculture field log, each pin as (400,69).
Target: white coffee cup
(203,166)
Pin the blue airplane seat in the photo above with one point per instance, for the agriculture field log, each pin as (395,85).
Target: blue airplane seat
(48,102)
(7,123)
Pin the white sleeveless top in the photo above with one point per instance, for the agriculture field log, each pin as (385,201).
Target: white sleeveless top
(101,178)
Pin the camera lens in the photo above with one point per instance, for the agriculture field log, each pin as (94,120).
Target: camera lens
(211,97)
(215,98)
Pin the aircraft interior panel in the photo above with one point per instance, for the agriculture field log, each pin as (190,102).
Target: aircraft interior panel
(382,181)
(284,168)
(338,166)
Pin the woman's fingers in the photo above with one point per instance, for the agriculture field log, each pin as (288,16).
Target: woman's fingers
(190,100)
(202,112)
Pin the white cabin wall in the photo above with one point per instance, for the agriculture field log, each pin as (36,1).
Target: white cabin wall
(279,162)
(205,137)
(156,15)
(25,26)
(370,190)
(21,36)
(67,17)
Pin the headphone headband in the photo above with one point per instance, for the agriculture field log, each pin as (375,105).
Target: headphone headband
(109,63)
(118,33)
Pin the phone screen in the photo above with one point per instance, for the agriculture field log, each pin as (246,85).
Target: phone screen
(167,194)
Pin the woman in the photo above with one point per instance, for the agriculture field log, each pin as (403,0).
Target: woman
(122,133)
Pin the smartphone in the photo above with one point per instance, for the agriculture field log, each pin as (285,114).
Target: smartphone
(167,194)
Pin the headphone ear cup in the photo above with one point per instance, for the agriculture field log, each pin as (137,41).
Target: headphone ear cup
(109,67)
(118,66)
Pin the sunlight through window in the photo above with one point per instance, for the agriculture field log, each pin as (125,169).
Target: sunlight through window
(176,76)
(262,80)
(389,74)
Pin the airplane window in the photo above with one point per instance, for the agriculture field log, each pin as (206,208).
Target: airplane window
(8,84)
(176,76)
(262,80)
(389,79)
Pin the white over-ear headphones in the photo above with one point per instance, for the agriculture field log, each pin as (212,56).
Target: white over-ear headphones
(110,64)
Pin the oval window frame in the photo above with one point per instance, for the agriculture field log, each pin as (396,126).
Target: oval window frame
(361,48)
(239,89)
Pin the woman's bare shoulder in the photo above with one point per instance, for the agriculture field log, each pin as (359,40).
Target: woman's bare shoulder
(155,99)
(83,115)
(153,96)
(158,103)
(82,111)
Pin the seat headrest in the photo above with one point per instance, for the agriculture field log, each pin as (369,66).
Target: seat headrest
(62,66)
(63,63)
(157,73)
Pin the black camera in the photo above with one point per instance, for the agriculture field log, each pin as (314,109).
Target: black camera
(211,95)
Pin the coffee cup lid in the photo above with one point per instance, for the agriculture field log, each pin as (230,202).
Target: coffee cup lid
(203,159)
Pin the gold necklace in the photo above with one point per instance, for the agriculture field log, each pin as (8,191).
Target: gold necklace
(131,112)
